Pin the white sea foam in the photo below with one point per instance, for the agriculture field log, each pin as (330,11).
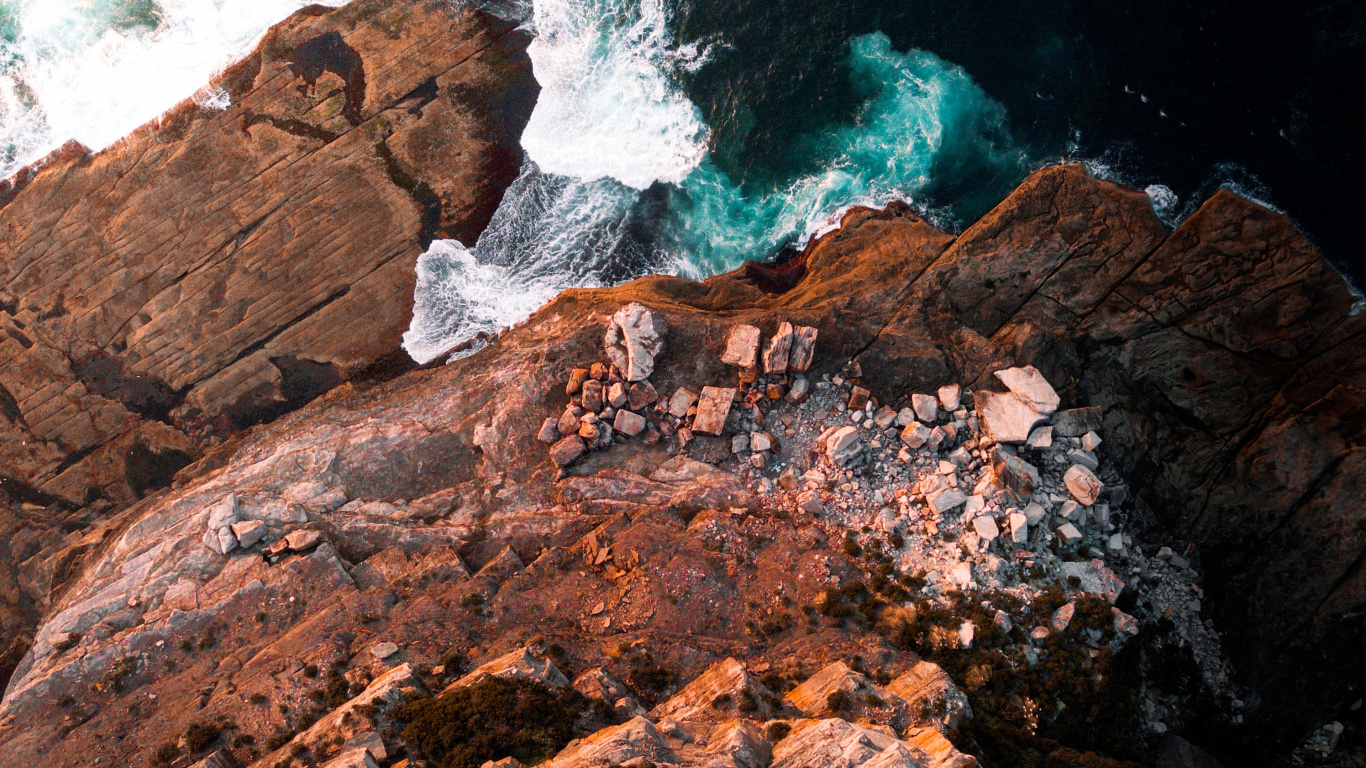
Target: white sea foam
(458,298)
(608,107)
(549,233)
(611,121)
(1164,203)
(94,72)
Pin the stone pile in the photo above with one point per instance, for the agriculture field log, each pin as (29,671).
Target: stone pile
(609,402)
(979,492)
(614,402)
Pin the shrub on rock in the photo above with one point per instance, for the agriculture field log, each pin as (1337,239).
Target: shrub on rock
(492,719)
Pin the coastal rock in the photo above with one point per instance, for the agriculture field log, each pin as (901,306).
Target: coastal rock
(713,409)
(521,663)
(926,408)
(1077,422)
(1083,484)
(778,349)
(742,346)
(803,349)
(1031,387)
(681,401)
(950,397)
(641,395)
(843,446)
(1224,354)
(1014,474)
(727,681)
(568,450)
(629,423)
(168,287)
(634,337)
(1006,417)
(932,697)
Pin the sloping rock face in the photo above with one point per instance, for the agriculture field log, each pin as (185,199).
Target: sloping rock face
(222,267)
(1227,358)
(1221,356)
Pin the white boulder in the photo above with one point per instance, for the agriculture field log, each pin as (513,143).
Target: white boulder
(1030,386)
(634,338)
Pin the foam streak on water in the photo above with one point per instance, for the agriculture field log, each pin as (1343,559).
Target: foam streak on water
(612,121)
(96,70)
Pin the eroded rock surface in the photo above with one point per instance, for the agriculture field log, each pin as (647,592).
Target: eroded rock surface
(222,267)
(1217,362)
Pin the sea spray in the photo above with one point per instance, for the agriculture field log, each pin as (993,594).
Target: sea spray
(611,122)
(608,107)
(96,71)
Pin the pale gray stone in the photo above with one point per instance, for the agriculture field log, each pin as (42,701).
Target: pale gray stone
(926,407)
(1005,417)
(1083,484)
(986,527)
(634,338)
(249,533)
(1030,386)
(950,396)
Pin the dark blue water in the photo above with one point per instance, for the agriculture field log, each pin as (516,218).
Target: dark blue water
(1190,95)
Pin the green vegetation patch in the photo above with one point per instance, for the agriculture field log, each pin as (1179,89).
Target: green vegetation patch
(490,720)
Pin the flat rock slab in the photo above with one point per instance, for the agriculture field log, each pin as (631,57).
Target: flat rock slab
(1005,417)
(713,409)
(742,346)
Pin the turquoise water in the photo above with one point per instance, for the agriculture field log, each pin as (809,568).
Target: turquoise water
(687,136)
(620,178)
(917,114)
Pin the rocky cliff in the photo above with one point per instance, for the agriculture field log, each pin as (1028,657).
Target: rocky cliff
(221,267)
(702,560)
(422,521)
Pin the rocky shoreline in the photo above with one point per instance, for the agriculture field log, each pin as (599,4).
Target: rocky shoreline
(1093,482)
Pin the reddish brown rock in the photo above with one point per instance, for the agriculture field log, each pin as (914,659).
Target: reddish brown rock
(219,268)
(568,450)
(1223,358)
(803,349)
(713,409)
(778,349)
(641,395)
(742,346)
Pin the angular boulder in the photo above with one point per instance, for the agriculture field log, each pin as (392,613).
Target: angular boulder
(634,338)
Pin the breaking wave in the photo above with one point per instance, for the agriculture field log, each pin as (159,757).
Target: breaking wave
(96,70)
(618,181)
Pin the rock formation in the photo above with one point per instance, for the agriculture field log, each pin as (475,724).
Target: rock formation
(219,268)
(300,586)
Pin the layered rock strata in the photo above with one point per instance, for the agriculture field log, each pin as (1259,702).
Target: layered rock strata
(1217,362)
(219,268)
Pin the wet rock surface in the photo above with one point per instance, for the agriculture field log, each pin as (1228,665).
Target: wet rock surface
(1204,379)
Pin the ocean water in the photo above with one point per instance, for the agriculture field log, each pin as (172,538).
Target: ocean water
(96,70)
(622,175)
(687,136)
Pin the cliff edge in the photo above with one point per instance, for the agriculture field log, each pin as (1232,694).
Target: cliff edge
(423,522)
